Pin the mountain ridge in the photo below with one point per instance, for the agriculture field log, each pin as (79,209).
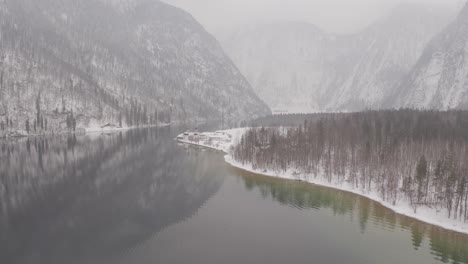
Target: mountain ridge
(321,72)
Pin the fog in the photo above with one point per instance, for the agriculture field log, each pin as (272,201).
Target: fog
(339,16)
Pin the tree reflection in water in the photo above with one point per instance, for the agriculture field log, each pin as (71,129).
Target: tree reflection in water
(69,199)
(446,246)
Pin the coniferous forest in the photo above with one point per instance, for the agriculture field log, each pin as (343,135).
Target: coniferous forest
(419,157)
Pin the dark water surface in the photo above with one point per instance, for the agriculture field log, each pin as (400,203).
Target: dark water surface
(139,197)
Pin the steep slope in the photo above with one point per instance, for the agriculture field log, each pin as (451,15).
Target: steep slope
(299,68)
(383,54)
(440,78)
(284,62)
(94,62)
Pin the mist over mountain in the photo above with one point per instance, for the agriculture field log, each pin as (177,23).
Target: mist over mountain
(440,78)
(284,62)
(68,64)
(300,68)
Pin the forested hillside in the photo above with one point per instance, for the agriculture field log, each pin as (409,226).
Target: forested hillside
(419,158)
(67,65)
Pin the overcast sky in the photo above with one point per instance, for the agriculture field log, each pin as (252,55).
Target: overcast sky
(339,16)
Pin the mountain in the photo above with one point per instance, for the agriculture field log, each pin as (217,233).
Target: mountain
(383,54)
(67,64)
(282,61)
(300,68)
(439,80)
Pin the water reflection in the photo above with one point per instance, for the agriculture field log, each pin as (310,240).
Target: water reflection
(90,199)
(446,246)
(81,199)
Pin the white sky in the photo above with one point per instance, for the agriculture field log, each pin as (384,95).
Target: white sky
(340,16)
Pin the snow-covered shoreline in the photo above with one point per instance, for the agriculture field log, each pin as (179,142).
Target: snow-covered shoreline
(83,131)
(424,214)
(221,140)
(199,145)
(108,129)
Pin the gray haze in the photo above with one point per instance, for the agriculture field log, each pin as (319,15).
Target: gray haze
(339,16)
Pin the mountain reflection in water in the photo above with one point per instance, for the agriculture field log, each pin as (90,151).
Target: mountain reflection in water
(72,199)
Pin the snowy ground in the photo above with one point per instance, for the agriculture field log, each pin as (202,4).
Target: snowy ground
(425,214)
(95,128)
(220,140)
(112,128)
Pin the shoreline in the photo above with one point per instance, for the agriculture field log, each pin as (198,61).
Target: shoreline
(425,215)
(118,129)
(83,132)
(450,225)
(199,145)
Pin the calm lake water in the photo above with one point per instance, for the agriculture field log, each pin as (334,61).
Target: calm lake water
(139,197)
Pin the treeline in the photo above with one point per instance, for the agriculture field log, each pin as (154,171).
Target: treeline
(282,120)
(138,114)
(415,156)
(66,120)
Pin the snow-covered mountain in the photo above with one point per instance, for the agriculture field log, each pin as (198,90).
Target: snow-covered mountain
(440,78)
(93,62)
(299,68)
(284,62)
(383,54)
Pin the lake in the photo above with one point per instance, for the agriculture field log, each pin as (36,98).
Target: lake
(139,197)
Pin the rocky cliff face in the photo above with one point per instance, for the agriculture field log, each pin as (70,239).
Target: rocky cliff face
(383,54)
(68,64)
(440,78)
(299,68)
